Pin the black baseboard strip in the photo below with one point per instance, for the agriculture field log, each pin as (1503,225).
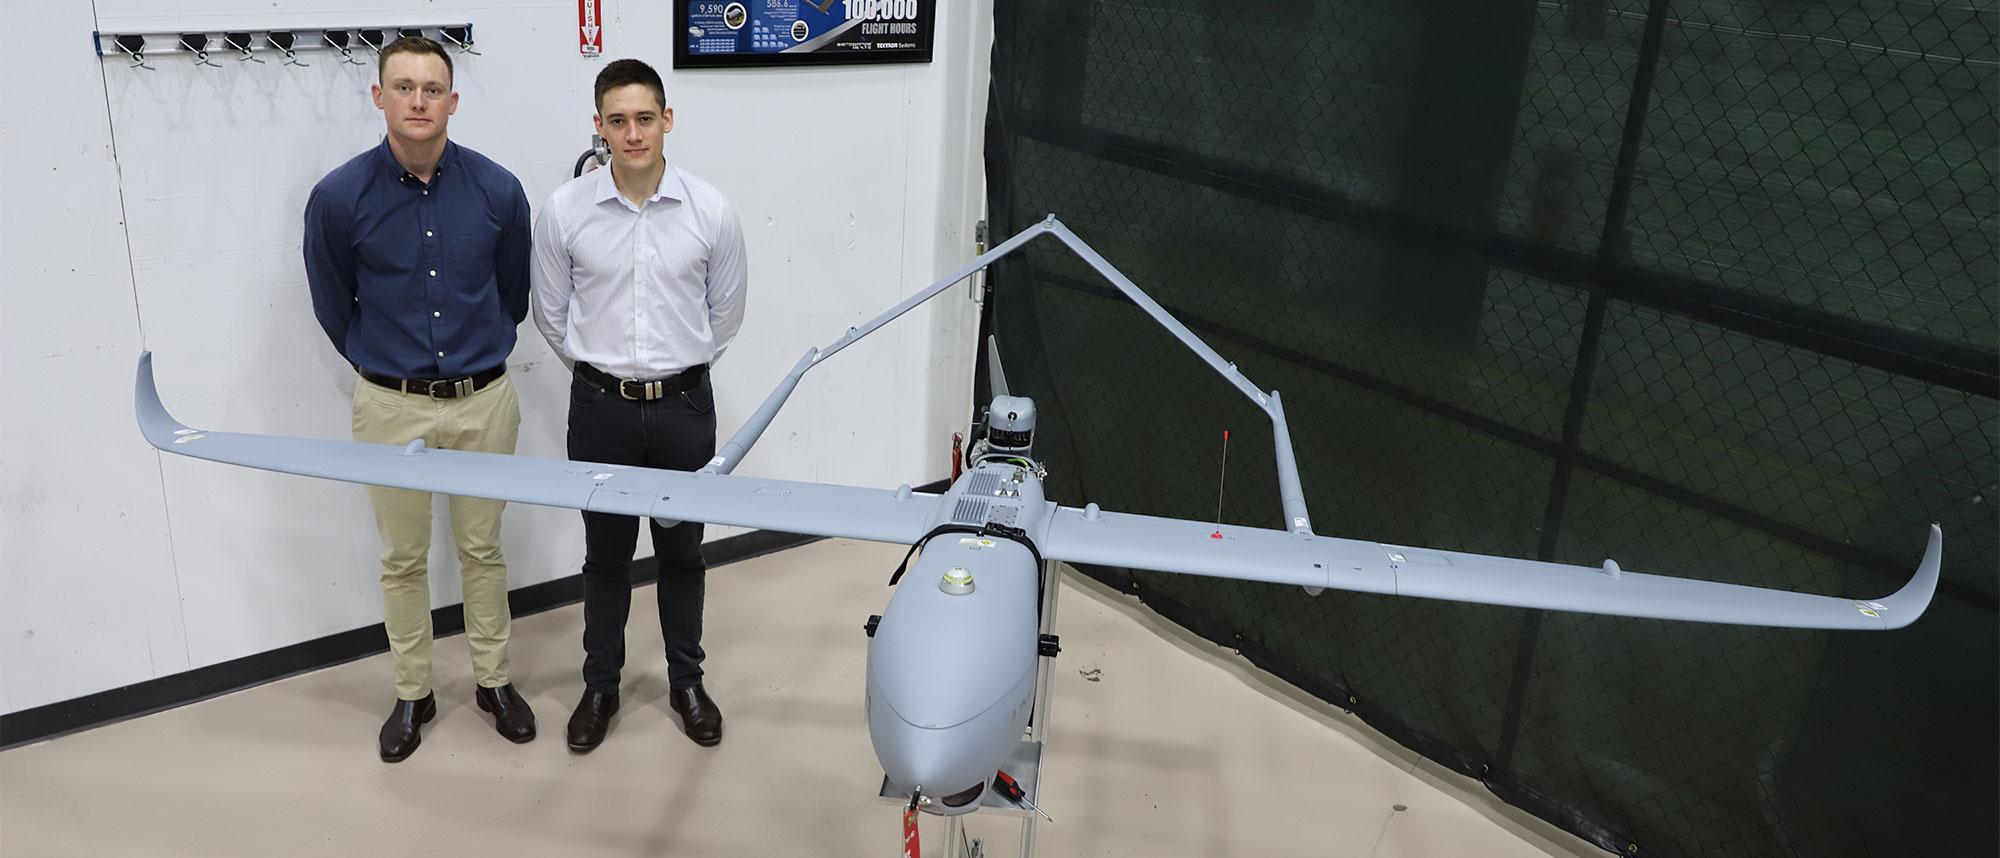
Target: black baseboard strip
(202,683)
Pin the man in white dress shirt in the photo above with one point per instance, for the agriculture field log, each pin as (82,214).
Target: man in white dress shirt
(639,282)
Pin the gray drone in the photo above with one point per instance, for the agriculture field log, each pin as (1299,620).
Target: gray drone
(952,664)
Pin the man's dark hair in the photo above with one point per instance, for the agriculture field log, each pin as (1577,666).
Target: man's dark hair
(411,45)
(625,73)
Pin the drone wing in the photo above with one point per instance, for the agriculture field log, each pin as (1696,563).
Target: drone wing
(1079,536)
(794,507)
(1275,556)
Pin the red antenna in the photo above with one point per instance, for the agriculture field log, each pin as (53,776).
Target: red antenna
(1224,479)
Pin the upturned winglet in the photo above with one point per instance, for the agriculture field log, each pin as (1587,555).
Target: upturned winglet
(159,427)
(1904,606)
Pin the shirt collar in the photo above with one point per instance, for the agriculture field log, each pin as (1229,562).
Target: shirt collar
(387,157)
(671,186)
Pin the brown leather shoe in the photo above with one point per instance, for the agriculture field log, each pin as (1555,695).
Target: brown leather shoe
(401,733)
(591,720)
(699,715)
(511,716)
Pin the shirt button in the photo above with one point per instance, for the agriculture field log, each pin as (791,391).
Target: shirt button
(427,193)
(436,315)
(440,354)
(434,272)
(427,233)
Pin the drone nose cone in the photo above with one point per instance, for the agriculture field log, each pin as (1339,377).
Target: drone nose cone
(950,760)
(918,757)
(947,764)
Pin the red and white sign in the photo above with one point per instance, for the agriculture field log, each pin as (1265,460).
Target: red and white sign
(589,32)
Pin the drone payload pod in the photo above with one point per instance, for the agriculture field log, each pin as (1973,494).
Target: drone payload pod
(952,663)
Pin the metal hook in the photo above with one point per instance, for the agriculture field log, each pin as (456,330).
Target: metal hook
(197,44)
(373,39)
(460,36)
(346,53)
(283,41)
(134,47)
(241,42)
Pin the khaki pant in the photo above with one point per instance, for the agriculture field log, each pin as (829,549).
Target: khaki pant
(488,421)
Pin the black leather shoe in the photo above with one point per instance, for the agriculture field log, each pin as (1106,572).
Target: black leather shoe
(699,715)
(511,716)
(591,720)
(401,733)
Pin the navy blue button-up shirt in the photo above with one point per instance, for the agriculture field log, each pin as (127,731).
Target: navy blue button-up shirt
(416,280)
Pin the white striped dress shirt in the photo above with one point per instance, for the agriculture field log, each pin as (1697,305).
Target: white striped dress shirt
(639,291)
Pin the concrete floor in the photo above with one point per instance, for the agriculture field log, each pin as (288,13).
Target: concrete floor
(1159,745)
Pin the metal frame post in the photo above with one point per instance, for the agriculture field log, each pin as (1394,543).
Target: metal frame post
(1038,725)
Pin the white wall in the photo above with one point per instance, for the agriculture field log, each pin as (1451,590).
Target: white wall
(161,210)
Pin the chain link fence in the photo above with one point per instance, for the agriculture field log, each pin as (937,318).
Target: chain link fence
(1706,287)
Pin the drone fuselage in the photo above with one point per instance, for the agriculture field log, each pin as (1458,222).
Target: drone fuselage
(952,664)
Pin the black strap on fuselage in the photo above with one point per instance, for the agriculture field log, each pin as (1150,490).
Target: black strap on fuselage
(988,529)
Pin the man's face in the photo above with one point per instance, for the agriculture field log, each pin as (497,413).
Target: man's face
(632,123)
(415,97)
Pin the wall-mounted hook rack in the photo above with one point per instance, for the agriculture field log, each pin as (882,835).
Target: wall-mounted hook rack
(288,41)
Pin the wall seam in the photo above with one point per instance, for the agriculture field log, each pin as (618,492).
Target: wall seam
(139,319)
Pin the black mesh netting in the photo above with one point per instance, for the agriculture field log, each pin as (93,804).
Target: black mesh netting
(1706,287)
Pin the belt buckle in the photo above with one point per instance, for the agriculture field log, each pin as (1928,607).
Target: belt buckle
(648,390)
(459,387)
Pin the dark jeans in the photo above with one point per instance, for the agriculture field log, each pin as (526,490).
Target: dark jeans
(675,432)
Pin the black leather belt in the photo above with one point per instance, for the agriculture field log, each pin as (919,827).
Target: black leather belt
(440,388)
(641,389)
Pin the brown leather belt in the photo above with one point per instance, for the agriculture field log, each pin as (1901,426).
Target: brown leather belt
(440,388)
(645,390)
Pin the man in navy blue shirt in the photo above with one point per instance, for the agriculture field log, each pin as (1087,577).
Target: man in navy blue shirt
(417,253)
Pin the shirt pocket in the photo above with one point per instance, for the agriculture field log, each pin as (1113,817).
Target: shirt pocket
(471,257)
